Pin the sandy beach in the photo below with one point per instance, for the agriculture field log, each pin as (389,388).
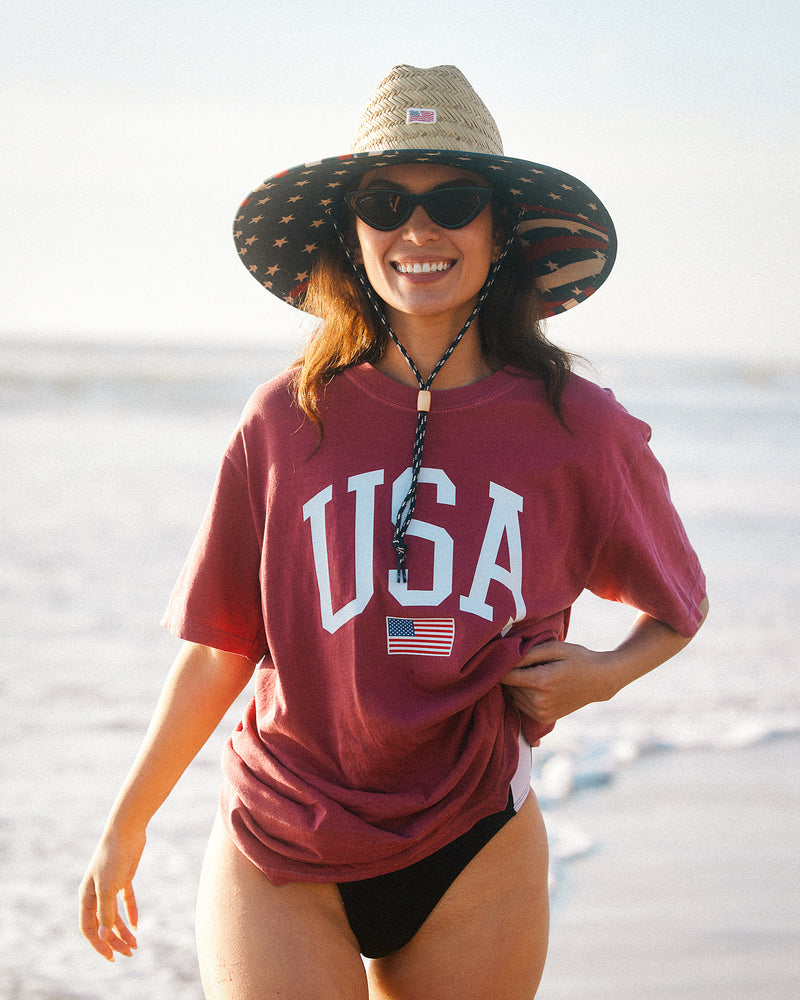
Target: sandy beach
(693,889)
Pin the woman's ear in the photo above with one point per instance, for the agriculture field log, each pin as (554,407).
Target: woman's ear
(498,243)
(501,230)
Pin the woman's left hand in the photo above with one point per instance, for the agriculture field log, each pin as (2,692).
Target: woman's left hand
(555,679)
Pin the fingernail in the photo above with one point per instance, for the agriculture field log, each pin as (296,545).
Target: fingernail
(103,933)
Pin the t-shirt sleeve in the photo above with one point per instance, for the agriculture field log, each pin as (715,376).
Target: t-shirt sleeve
(646,559)
(216,600)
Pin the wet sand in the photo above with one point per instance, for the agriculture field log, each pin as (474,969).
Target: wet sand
(693,889)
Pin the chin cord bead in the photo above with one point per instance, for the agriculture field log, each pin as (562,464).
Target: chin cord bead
(406,510)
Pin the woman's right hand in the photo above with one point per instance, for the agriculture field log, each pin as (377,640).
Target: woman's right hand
(197,693)
(110,873)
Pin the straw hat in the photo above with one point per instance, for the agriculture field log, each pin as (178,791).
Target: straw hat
(429,116)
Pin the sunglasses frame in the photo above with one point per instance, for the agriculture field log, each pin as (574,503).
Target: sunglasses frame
(485,195)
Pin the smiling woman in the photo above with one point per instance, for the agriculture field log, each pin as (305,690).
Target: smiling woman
(376,796)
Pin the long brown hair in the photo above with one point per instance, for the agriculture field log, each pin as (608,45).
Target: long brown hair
(350,332)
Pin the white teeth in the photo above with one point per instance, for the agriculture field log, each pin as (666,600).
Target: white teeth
(426,268)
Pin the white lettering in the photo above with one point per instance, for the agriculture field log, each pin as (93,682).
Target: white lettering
(442,541)
(503,523)
(503,520)
(314,510)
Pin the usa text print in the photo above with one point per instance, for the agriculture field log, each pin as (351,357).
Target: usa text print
(503,522)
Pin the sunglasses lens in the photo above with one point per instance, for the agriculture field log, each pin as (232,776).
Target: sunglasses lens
(382,209)
(455,207)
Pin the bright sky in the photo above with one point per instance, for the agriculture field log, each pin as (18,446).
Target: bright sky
(131,131)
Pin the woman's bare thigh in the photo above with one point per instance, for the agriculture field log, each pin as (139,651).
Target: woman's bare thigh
(487,937)
(257,941)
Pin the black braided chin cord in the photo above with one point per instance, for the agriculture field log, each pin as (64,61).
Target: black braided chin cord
(406,510)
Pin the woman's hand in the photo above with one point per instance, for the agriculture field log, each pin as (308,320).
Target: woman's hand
(555,679)
(110,874)
(199,689)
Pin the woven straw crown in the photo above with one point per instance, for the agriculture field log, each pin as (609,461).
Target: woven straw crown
(462,120)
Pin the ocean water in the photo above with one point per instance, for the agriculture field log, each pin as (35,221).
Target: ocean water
(107,457)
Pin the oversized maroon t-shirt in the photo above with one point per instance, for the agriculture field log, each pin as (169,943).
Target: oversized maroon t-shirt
(379,730)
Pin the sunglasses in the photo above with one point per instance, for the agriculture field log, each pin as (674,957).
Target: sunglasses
(449,207)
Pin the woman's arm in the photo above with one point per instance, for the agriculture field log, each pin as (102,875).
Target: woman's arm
(568,676)
(201,686)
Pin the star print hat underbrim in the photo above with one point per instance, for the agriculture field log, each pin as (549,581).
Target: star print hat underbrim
(429,116)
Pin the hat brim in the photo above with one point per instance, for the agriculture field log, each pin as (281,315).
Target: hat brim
(568,237)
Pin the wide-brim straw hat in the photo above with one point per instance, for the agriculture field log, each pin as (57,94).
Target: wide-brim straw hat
(429,116)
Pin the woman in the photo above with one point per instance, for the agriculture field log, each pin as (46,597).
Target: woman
(406,606)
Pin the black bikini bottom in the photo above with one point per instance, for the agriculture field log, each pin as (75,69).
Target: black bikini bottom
(386,912)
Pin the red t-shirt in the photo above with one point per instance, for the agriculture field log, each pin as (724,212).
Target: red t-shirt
(379,730)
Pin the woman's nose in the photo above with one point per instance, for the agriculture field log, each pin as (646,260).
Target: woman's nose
(420,227)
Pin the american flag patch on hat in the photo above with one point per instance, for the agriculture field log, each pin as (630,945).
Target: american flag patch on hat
(420,116)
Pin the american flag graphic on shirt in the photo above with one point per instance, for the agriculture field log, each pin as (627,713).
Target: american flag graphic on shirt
(420,636)
(425,116)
